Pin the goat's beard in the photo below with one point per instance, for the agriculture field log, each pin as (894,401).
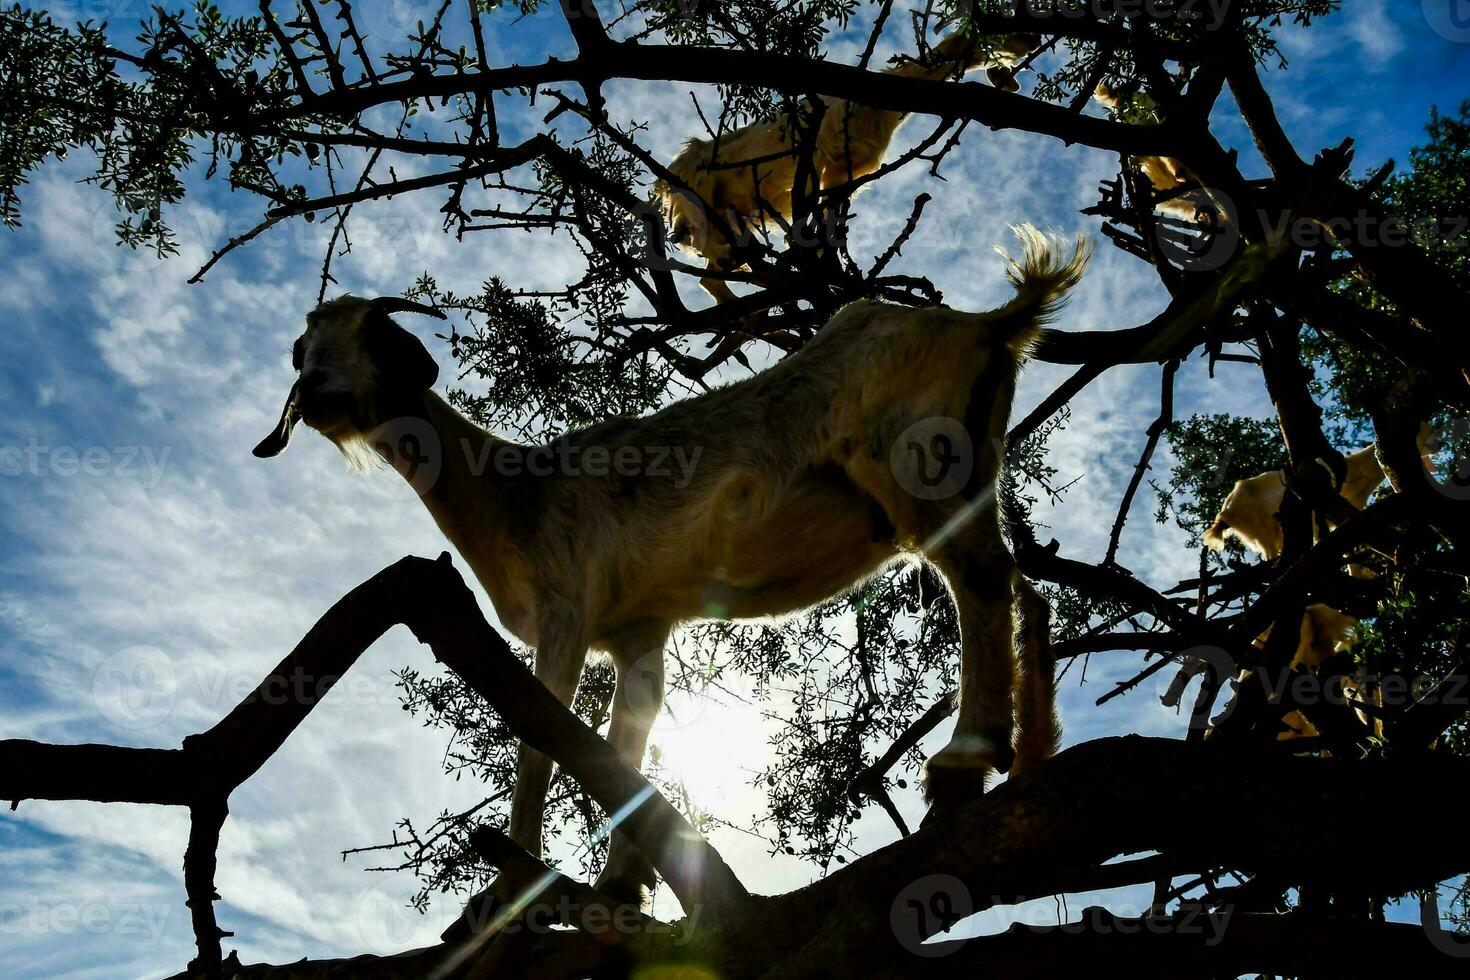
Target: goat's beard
(347,426)
(364,434)
(357,451)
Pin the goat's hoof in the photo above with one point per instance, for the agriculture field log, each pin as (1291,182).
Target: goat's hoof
(947,788)
(628,878)
(982,750)
(625,891)
(957,772)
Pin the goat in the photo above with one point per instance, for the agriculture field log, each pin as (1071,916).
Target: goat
(1325,633)
(1167,175)
(1249,512)
(810,477)
(747,175)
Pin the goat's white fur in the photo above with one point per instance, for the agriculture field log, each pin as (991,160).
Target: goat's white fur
(1250,511)
(794,498)
(851,142)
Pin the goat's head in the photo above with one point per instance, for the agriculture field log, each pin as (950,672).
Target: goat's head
(1006,53)
(355,367)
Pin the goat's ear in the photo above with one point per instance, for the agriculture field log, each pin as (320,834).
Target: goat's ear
(399,354)
(272,444)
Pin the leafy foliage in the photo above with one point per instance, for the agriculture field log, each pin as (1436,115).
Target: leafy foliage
(1431,203)
(1211,452)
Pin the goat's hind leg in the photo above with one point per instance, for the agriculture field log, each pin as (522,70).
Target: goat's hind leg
(980,582)
(638,653)
(1037,731)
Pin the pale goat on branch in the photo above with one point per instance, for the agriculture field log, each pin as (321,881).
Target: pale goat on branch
(1250,511)
(744,175)
(1325,632)
(1168,176)
(809,478)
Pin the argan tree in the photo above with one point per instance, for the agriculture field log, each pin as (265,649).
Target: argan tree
(1346,290)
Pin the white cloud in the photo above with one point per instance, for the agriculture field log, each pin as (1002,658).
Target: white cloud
(1374,31)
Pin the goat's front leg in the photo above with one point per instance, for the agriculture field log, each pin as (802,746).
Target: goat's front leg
(639,654)
(561,654)
(716,287)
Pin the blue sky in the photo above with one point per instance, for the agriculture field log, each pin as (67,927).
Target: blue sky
(141,543)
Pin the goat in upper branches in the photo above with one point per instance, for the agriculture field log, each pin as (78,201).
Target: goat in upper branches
(1177,188)
(1250,511)
(748,175)
(882,437)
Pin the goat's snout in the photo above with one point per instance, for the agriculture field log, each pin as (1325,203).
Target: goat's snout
(313,381)
(1003,79)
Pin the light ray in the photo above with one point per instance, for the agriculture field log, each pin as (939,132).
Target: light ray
(508,912)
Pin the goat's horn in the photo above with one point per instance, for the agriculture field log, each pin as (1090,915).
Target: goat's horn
(397,304)
(272,444)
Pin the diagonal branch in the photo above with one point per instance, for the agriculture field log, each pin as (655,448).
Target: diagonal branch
(432,599)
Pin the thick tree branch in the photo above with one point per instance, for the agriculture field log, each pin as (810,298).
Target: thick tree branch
(1081,809)
(785,73)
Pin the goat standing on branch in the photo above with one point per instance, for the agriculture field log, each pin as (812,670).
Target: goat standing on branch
(747,175)
(1249,512)
(1177,189)
(810,477)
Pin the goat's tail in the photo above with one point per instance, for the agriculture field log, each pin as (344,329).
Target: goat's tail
(1037,731)
(1215,534)
(1042,277)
